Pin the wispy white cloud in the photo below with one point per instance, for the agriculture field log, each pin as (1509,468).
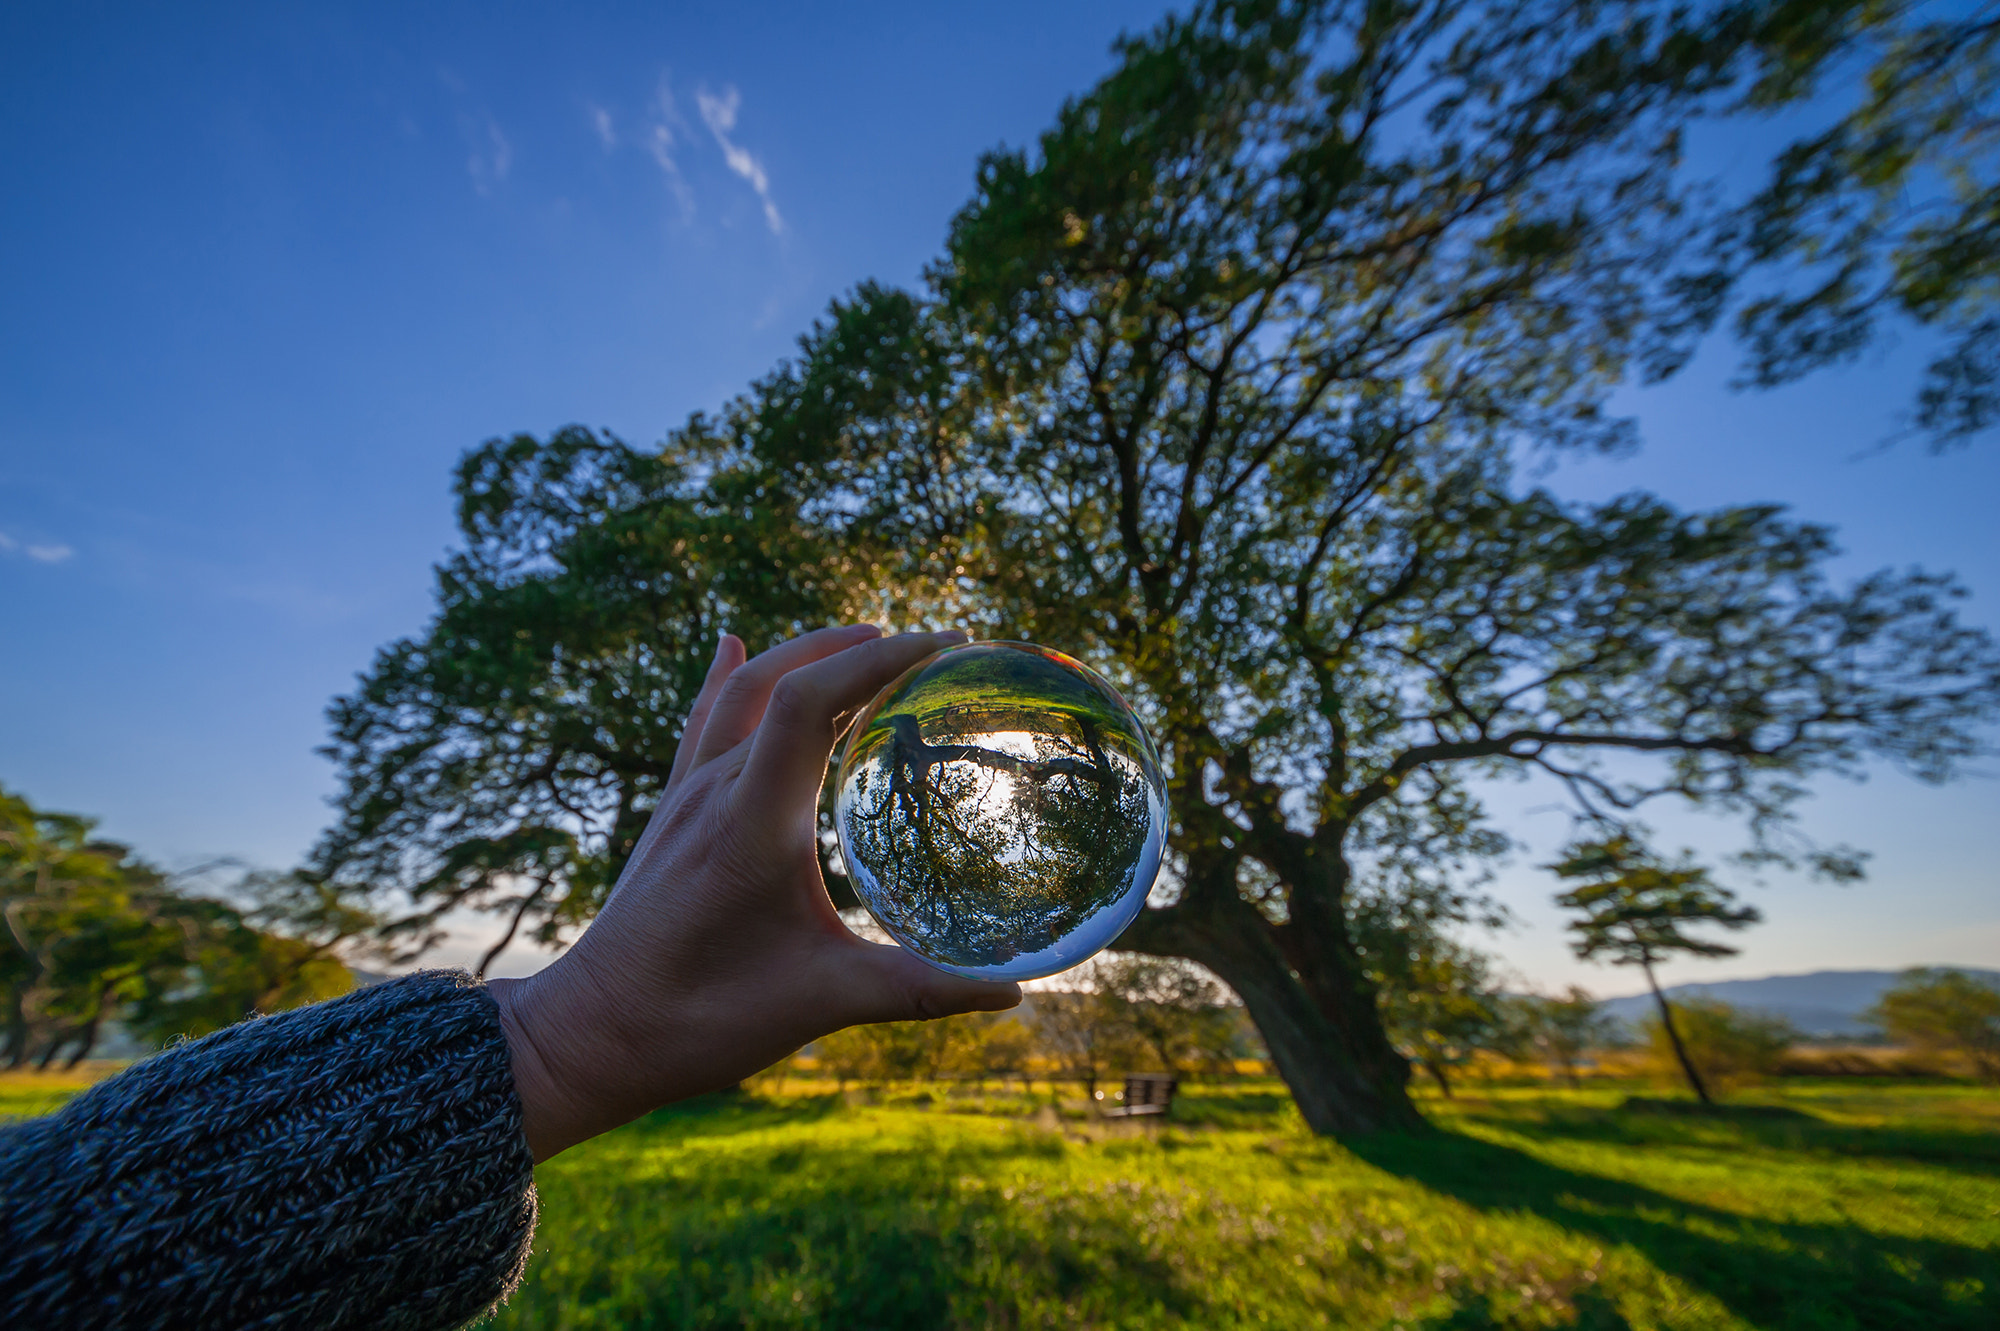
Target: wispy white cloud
(491,158)
(40,552)
(719,114)
(663,142)
(607,133)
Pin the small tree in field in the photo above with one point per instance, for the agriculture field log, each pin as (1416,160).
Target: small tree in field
(1635,910)
(1439,1005)
(1173,1011)
(1561,1030)
(1946,1010)
(1728,1043)
(1080,1031)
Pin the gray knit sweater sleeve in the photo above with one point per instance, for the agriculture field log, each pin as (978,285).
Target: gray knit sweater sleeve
(356,1163)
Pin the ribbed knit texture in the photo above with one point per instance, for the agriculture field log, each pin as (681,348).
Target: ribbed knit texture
(356,1163)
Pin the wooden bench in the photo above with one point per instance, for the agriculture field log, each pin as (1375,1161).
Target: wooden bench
(1147,1094)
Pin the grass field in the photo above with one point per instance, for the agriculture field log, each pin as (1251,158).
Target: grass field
(1819,1205)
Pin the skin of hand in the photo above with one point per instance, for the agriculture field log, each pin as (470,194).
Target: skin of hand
(719,951)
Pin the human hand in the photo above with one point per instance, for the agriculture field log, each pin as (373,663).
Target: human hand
(719,951)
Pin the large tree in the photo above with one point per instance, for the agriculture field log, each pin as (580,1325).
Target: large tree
(1226,386)
(506,759)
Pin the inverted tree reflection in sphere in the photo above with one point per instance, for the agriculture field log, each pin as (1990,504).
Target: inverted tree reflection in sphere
(1001,811)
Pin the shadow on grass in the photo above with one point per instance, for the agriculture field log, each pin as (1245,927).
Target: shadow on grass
(1967,1150)
(891,1235)
(1770,1273)
(1238,1109)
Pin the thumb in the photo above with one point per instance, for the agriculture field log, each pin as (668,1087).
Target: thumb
(893,984)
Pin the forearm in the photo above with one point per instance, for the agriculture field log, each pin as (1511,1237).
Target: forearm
(357,1163)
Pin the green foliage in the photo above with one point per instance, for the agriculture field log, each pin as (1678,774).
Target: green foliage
(506,758)
(1730,1045)
(1634,908)
(1439,1001)
(85,930)
(1543,1211)
(1223,386)
(1894,208)
(1558,1030)
(94,934)
(1943,1009)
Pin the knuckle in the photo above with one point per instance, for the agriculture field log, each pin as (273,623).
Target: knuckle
(794,698)
(737,689)
(926,1005)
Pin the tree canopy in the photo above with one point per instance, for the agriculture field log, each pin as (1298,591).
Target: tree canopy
(94,935)
(1948,1010)
(1889,213)
(1230,385)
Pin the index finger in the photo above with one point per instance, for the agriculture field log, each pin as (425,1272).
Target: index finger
(789,754)
(739,706)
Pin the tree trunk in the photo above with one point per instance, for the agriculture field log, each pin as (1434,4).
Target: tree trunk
(56,1042)
(86,1039)
(1436,1069)
(1327,1042)
(1674,1037)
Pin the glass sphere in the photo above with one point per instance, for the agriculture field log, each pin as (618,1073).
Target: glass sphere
(1001,811)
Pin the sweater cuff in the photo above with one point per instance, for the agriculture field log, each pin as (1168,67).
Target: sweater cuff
(355,1163)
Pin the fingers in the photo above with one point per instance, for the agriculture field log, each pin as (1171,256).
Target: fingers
(740,704)
(788,758)
(890,984)
(729,654)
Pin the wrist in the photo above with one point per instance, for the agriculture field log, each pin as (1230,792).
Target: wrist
(555,1109)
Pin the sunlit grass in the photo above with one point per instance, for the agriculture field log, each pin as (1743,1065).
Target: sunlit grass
(25,1093)
(1854,1205)
(1531,1208)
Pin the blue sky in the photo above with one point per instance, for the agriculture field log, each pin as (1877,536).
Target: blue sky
(268,269)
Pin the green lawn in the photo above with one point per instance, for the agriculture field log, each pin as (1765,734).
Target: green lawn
(1871,1207)
(1819,1205)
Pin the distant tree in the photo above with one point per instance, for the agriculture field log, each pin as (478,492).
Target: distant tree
(1176,1012)
(1439,1002)
(845,1055)
(1946,1010)
(94,934)
(1561,1030)
(996,1044)
(1729,1044)
(264,943)
(1080,1032)
(1635,910)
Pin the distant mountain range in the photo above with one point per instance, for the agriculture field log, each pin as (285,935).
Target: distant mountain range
(1823,1003)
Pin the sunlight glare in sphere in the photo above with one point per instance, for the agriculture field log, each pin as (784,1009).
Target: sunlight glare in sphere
(1001,811)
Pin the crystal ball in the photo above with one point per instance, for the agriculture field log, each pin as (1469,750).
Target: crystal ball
(1001,811)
